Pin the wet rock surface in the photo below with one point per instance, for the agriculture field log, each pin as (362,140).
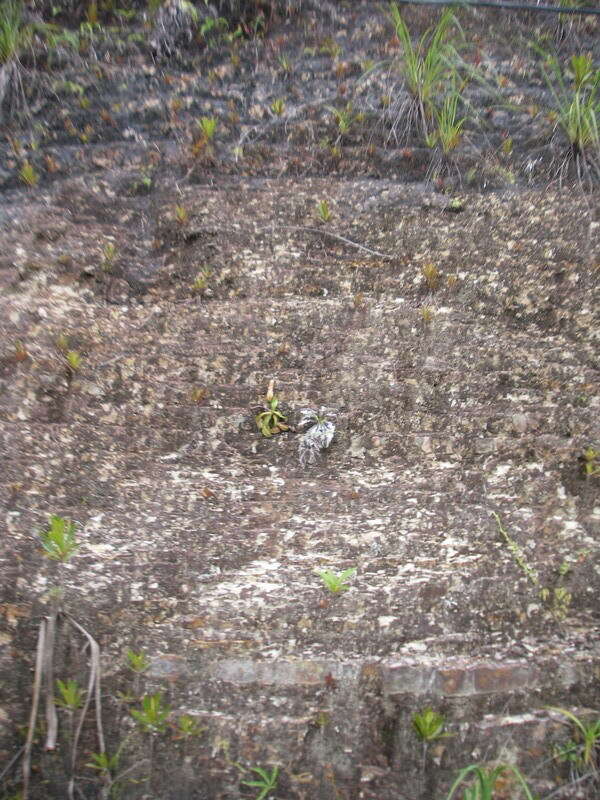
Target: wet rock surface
(462,392)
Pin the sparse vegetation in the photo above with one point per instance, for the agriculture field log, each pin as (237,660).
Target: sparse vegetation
(557,598)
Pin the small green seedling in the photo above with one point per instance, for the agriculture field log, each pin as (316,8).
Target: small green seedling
(343,118)
(208,127)
(267,782)
(181,215)
(137,662)
(429,725)
(278,106)
(28,175)
(105,763)
(73,359)
(152,717)
(285,64)
(323,211)
(109,255)
(336,583)
(201,280)
(187,727)
(71,695)
(59,541)
(271,421)
(485,780)
(591,466)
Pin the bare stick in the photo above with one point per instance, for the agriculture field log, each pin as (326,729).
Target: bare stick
(37,685)
(12,762)
(51,717)
(93,687)
(387,256)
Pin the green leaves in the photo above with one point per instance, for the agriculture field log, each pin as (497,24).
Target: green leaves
(336,583)
(137,662)
(152,717)
(59,541)
(429,725)
(71,695)
(267,782)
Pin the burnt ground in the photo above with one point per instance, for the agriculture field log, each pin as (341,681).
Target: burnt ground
(472,393)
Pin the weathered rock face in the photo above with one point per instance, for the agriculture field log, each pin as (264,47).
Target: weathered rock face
(456,336)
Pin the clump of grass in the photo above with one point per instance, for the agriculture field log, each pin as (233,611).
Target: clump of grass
(428,68)
(479,781)
(431,274)
(576,113)
(581,751)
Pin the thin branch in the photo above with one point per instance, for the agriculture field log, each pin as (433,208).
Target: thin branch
(93,687)
(37,685)
(561,789)
(387,256)
(51,716)
(12,762)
